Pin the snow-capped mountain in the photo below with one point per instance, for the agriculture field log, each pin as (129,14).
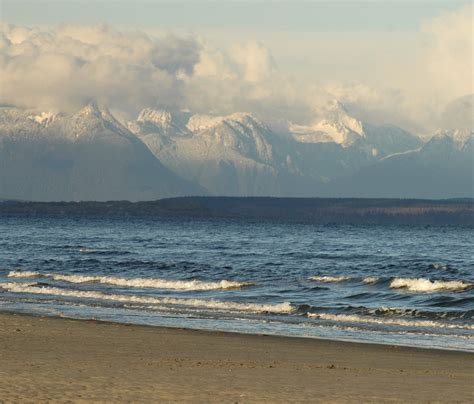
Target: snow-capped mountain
(443,167)
(229,155)
(339,145)
(239,155)
(338,126)
(87,155)
(459,139)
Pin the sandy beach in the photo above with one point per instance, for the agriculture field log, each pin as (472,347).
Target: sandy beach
(62,359)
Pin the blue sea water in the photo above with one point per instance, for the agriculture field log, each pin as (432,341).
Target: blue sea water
(384,284)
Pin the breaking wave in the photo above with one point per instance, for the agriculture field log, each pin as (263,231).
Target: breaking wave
(371,279)
(351,318)
(328,279)
(135,282)
(34,288)
(428,285)
(23,274)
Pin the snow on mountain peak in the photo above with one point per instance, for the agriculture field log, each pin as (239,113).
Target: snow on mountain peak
(92,108)
(459,136)
(345,130)
(44,119)
(156,116)
(91,120)
(337,126)
(241,117)
(308,134)
(86,155)
(96,110)
(341,125)
(201,122)
(233,154)
(151,120)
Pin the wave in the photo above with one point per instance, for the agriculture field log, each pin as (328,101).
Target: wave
(402,312)
(23,274)
(327,278)
(33,288)
(351,318)
(135,282)
(428,285)
(371,280)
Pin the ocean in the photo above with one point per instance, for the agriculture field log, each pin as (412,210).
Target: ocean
(398,285)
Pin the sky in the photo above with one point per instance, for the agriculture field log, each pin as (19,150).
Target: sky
(270,15)
(392,61)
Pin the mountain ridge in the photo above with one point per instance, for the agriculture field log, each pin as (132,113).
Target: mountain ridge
(84,155)
(89,154)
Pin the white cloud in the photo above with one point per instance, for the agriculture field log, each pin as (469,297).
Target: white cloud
(66,67)
(449,59)
(63,68)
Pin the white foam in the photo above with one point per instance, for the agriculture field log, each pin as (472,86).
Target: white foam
(32,288)
(371,279)
(350,318)
(135,282)
(23,274)
(427,285)
(327,278)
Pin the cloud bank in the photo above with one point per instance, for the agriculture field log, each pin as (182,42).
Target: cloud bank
(64,68)
(61,69)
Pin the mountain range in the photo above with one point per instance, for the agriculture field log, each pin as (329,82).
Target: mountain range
(90,155)
(87,155)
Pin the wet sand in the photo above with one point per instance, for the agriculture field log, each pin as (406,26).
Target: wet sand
(59,360)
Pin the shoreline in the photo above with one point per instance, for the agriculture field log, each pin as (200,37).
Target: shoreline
(54,358)
(221,331)
(310,210)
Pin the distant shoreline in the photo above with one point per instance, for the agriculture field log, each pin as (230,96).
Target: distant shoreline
(300,210)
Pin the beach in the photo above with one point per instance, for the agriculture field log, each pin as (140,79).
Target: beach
(84,360)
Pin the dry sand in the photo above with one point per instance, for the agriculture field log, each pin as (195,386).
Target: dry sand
(58,360)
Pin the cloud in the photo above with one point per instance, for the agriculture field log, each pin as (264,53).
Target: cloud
(255,61)
(449,58)
(245,78)
(418,83)
(63,68)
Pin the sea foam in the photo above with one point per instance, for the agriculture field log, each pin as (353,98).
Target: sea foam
(33,288)
(23,274)
(428,285)
(135,282)
(371,279)
(351,318)
(327,278)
